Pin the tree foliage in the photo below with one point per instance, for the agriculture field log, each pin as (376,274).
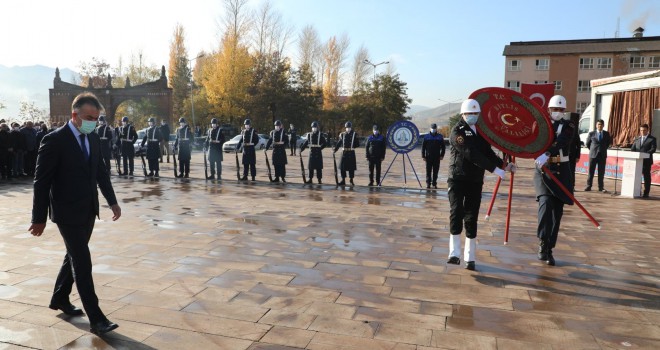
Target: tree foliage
(28,111)
(179,72)
(383,102)
(96,71)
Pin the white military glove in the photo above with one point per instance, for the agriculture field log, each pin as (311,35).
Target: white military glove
(499,172)
(542,159)
(511,167)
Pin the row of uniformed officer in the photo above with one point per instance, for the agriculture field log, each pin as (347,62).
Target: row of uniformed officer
(279,140)
(152,138)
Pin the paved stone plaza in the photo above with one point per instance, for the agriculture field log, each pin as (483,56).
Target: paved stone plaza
(195,264)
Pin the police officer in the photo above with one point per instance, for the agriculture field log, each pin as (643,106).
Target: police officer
(125,141)
(182,144)
(316,143)
(105,133)
(279,140)
(152,138)
(165,140)
(249,140)
(433,150)
(292,139)
(470,156)
(348,141)
(375,149)
(550,197)
(214,141)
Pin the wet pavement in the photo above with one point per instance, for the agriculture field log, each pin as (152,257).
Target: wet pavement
(195,264)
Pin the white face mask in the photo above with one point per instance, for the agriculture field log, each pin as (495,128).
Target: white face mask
(247,127)
(151,123)
(101,123)
(124,123)
(315,129)
(375,132)
(348,129)
(277,128)
(215,126)
(433,131)
(162,123)
(182,124)
(556,115)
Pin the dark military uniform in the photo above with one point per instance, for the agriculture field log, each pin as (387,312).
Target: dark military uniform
(316,143)
(125,141)
(292,140)
(375,152)
(183,147)
(470,156)
(550,197)
(105,133)
(279,140)
(214,140)
(152,138)
(348,141)
(433,150)
(249,140)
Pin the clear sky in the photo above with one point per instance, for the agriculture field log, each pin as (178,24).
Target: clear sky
(443,49)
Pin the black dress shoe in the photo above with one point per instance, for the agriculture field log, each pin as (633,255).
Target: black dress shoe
(435,186)
(319,181)
(551,260)
(68,309)
(587,189)
(543,252)
(470,265)
(342,183)
(428,185)
(283,180)
(103,327)
(454,260)
(210,177)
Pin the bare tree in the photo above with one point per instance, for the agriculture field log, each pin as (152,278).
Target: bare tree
(270,33)
(335,57)
(237,20)
(308,46)
(360,70)
(391,69)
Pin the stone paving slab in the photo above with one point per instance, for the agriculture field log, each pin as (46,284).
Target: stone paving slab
(195,264)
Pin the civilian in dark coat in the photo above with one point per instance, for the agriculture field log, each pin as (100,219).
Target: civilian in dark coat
(645,143)
(598,142)
(69,169)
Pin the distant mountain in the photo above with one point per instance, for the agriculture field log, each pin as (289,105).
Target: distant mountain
(439,115)
(30,84)
(412,109)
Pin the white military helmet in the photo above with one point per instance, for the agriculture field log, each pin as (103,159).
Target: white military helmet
(557,101)
(470,106)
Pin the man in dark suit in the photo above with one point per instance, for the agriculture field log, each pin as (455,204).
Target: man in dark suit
(69,169)
(647,144)
(598,142)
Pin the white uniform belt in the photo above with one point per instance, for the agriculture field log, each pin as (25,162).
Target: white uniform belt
(248,144)
(104,138)
(348,149)
(213,141)
(125,140)
(279,143)
(184,139)
(154,140)
(315,146)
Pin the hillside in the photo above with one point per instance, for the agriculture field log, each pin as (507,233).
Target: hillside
(439,115)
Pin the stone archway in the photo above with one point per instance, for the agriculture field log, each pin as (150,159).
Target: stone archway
(63,93)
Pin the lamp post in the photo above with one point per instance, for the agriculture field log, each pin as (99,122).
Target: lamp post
(374,65)
(192,104)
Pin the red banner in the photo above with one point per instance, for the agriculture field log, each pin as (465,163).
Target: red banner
(538,93)
(613,170)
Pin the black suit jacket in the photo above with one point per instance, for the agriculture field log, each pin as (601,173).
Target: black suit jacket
(649,146)
(65,183)
(598,148)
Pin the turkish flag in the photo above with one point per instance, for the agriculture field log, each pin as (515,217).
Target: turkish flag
(538,93)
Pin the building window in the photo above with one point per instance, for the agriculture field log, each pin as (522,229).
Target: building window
(514,65)
(584,86)
(604,63)
(581,107)
(540,82)
(513,85)
(557,85)
(654,62)
(637,62)
(543,64)
(586,63)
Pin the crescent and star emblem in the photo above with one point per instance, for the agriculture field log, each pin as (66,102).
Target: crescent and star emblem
(506,122)
(538,95)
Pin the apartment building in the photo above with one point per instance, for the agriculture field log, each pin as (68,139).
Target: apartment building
(572,64)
